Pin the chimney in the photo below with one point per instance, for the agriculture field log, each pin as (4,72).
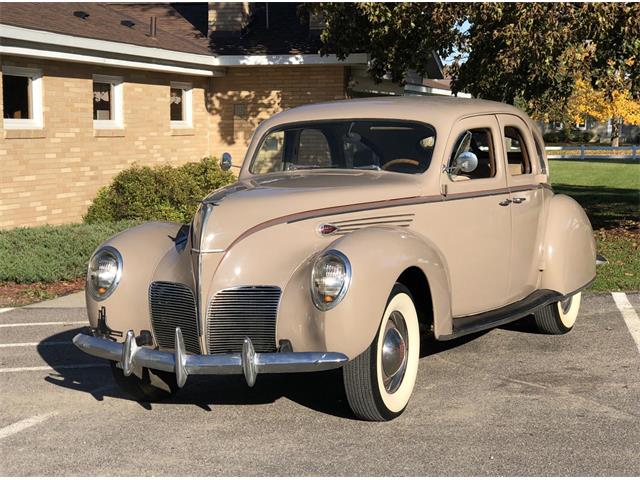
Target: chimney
(228,18)
(153,26)
(316,22)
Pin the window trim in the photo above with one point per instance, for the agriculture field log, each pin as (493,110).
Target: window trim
(492,153)
(187,105)
(524,150)
(116,121)
(36,122)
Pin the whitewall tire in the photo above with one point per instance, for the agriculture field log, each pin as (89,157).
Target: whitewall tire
(380,381)
(559,317)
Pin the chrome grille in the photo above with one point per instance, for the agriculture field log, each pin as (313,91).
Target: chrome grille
(173,305)
(243,312)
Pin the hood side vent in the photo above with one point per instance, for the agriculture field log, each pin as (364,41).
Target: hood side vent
(353,224)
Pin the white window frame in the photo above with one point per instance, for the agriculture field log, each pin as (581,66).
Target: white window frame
(582,125)
(36,122)
(187,106)
(117,121)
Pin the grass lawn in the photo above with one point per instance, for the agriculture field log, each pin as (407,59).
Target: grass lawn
(39,263)
(610,194)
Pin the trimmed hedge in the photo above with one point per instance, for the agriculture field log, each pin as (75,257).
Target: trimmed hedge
(159,193)
(53,252)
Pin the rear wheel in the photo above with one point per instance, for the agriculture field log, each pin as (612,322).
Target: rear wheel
(147,385)
(380,381)
(559,317)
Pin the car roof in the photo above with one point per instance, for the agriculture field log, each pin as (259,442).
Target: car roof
(438,111)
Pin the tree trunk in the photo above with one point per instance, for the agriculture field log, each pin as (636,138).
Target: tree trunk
(616,127)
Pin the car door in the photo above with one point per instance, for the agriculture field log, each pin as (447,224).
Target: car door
(476,225)
(527,205)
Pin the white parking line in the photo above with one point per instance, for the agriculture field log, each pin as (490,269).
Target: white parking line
(49,367)
(24,424)
(629,315)
(33,344)
(3,310)
(39,324)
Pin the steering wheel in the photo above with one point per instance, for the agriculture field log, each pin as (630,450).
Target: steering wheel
(401,161)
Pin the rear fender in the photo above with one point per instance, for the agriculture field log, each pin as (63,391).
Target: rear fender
(569,260)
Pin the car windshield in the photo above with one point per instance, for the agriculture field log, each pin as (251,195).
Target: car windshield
(395,146)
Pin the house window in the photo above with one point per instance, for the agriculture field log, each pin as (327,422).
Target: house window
(107,102)
(22,98)
(180,105)
(582,124)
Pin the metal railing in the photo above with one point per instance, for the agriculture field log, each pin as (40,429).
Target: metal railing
(588,152)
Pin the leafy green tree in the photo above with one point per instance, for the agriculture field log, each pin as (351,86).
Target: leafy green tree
(529,53)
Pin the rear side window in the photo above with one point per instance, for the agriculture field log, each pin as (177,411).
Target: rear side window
(518,157)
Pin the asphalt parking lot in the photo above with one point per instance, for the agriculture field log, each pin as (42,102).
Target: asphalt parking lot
(507,402)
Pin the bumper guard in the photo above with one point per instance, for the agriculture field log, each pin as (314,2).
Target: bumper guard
(130,355)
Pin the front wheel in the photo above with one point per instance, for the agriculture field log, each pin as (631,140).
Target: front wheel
(379,381)
(149,386)
(559,317)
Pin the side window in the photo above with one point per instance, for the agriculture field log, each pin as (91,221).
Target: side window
(21,97)
(540,152)
(107,102)
(477,142)
(271,154)
(313,149)
(517,155)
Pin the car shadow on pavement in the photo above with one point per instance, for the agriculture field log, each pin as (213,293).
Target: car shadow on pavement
(320,391)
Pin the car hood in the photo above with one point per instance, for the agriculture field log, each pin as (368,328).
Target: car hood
(235,211)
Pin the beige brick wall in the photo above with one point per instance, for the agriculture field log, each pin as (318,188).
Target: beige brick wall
(261,92)
(51,176)
(54,178)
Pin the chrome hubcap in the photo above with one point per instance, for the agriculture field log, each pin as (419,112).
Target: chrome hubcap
(394,352)
(565,305)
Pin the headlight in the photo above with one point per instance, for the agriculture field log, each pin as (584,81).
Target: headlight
(104,272)
(330,279)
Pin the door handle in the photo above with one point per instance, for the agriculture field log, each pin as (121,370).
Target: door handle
(519,199)
(504,203)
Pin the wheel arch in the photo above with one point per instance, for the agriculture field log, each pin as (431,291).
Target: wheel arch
(416,281)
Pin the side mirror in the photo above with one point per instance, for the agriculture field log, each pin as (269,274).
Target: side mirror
(225,163)
(467,162)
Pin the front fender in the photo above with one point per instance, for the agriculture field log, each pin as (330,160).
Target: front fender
(569,261)
(378,256)
(142,248)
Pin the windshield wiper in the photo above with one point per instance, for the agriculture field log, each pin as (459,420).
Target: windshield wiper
(293,166)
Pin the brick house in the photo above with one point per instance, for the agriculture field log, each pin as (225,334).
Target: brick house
(90,88)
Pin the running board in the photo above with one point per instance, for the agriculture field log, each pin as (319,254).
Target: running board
(503,315)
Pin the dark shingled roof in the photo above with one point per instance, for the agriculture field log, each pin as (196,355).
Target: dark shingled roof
(103,23)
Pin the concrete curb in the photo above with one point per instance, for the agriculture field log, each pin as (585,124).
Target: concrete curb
(74,300)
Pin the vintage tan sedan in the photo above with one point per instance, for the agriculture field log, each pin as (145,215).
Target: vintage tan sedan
(356,230)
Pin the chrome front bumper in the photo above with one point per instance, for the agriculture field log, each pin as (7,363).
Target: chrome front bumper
(130,355)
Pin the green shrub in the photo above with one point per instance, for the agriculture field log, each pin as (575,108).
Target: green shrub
(158,193)
(51,253)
